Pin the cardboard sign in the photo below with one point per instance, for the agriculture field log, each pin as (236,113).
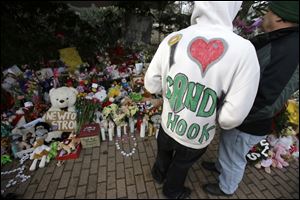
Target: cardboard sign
(293,110)
(61,120)
(70,57)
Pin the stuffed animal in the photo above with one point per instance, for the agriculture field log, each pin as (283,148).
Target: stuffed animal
(74,140)
(100,95)
(266,163)
(69,144)
(114,92)
(53,135)
(5,145)
(63,98)
(41,130)
(18,144)
(40,152)
(280,149)
(53,152)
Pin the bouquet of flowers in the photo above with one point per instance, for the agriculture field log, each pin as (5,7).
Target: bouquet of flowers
(86,108)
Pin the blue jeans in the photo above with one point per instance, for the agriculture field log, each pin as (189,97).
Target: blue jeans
(233,148)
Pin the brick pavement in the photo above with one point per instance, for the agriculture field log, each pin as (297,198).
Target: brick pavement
(102,172)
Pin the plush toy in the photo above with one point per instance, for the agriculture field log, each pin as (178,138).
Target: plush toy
(5,159)
(52,135)
(114,92)
(100,95)
(53,151)
(136,97)
(41,130)
(280,149)
(18,144)
(40,152)
(266,163)
(74,140)
(125,85)
(137,84)
(5,145)
(62,98)
(69,144)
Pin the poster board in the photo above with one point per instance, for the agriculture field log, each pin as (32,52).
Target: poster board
(61,120)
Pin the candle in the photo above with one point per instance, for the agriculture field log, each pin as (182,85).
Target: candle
(119,131)
(131,125)
(142,131)
(125,129)
(105,124)
(111,130)
(103,133)
(110,133)
(150,133)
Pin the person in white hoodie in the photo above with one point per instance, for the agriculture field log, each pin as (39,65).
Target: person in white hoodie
(207,75)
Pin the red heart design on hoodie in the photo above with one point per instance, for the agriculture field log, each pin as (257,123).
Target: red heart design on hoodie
(205,52)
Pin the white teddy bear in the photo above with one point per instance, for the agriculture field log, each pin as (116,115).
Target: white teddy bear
(63,97)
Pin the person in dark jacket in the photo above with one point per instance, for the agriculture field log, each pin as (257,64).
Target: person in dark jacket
(278,55)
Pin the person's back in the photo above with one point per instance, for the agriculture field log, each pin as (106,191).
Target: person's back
(207,74)
(198,68)
(278,54)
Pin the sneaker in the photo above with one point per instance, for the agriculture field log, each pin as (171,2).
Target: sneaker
(210,166)
(214,189)
(186,192)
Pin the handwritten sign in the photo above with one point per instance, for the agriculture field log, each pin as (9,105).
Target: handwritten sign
(70,57)
(61,120)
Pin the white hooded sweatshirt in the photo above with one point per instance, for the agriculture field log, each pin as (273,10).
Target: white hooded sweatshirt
(207,74)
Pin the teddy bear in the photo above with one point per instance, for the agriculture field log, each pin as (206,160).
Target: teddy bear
(63,98)
(40,152)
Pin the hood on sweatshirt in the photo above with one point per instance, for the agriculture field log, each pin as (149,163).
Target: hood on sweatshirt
(215,12)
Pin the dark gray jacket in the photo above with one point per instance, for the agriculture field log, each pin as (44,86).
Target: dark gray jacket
(278,55)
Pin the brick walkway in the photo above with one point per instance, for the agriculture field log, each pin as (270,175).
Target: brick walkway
(102,172)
